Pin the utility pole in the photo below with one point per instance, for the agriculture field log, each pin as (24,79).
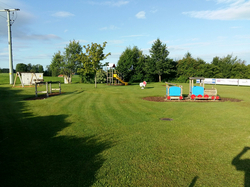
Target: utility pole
(10,43)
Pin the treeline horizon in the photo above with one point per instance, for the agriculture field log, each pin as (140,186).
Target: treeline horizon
(181,70)
(134,66)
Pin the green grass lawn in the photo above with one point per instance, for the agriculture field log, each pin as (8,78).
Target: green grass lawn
(110,136)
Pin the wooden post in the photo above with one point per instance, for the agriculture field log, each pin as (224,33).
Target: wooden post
(112,77)
(36,88)
(50,87)
(47,89)
(190,87)
(59,87)
(20,79)
(15,80)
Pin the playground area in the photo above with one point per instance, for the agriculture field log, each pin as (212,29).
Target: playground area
(118,136)
(196,92)
(113,77)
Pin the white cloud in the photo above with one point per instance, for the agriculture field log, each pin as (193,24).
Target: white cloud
(120,3)
(245,37)
(62,14)
(141,15)
(37,36)
(235,10)
(110,3)
(154,10)
(232,2)
(151,42)
(4,54)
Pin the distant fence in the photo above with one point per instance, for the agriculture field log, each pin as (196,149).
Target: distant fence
(236,82)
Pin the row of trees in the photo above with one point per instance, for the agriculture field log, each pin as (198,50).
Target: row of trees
(73,60)
(29,68)
(135,66)
(5,70)
(225,67)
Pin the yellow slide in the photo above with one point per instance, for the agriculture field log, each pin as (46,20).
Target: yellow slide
(116,76)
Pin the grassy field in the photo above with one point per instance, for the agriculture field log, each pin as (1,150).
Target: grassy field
(110,136)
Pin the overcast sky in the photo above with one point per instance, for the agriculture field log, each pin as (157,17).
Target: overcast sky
(205,28)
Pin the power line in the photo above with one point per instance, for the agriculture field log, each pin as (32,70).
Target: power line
(5,4)
(3,16)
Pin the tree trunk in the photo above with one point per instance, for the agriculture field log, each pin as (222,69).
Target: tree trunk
(95,80)
(70,78)
(159,78)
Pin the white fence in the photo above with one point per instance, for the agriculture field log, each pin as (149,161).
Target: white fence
(237,82)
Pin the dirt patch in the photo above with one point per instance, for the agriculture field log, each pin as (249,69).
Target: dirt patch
(44,96)
(162,99)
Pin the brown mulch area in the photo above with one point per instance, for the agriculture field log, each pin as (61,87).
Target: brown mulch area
(40,97)
(162,99)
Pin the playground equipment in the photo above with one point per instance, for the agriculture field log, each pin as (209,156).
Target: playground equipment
(195,92)
(48,87)
(143,84)
(111,74)
(173,91)
(199,92)
(28,78)
(118,78)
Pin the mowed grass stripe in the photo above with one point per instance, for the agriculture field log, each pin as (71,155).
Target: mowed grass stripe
(127,103)
(105,112)
(87,113)
(119,110)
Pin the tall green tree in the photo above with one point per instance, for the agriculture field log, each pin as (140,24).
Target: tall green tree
(21,67)
(190,67)
(33,69)
(40,68)
(229,66)
(159,55)
(247,76)
(70,62)
(56,64)
(131,64)
(91,59)
(48,71)
(29,67)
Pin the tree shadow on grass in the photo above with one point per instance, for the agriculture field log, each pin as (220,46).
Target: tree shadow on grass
(33,153)
(243,165)
(193,181)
